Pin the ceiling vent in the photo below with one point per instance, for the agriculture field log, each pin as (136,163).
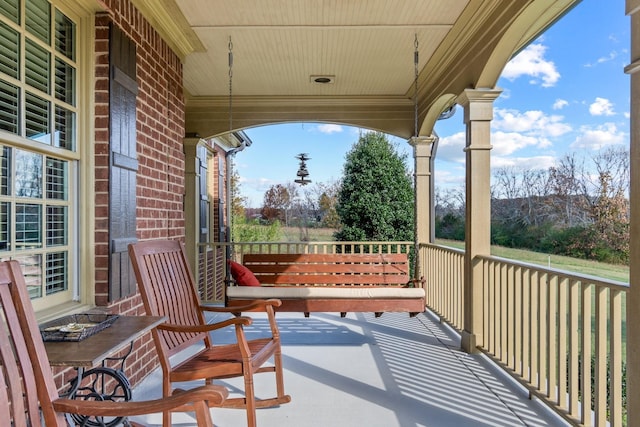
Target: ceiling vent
(322,79)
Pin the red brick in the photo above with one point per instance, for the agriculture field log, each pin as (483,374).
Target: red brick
(160,125)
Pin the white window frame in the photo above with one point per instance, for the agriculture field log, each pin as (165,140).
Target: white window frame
(80,282)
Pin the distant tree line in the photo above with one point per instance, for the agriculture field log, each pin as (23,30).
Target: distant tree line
(286,205)
(577,208)
(293,205)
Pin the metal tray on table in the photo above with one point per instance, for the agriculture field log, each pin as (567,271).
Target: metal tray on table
(76,327)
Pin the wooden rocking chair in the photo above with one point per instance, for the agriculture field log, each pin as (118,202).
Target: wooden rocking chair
(167,287)
(28,396)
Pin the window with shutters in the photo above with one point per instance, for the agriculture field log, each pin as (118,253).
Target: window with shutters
(38,146)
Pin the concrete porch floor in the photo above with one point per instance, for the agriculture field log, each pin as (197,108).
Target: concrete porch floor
(392,371)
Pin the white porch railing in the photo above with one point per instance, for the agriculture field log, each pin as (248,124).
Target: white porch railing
(443,269)
(560,334)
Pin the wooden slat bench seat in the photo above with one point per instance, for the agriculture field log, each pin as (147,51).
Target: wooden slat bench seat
(332,283)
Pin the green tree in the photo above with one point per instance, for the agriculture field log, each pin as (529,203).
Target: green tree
(243,229)
(252,231)
(238,201)
(327,201)
(376,199)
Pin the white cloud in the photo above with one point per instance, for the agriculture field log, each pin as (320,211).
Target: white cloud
(258,184)
(449,178)
(601,107)
(610,57)
(512,130)
(596,138)
(560,104)
(450,148)
(533,123)
(526,163)
(254,188)
(506,143)
(329,128)
(531,62)
(504,96)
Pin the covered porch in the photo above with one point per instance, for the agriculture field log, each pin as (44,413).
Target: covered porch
(380,372)
(560,335)
(376,66)
(509,312)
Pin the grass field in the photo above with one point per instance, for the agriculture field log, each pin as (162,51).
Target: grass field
(592,268)
(295,234)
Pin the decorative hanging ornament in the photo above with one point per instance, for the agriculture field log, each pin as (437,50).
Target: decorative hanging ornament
(302,173)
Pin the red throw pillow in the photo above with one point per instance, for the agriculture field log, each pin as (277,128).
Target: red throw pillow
(242,275)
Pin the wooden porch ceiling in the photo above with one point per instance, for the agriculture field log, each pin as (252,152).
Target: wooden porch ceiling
(365,47)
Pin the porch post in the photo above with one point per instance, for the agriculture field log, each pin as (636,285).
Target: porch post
(633,296)
(422,148)
(191,200)
(478,113)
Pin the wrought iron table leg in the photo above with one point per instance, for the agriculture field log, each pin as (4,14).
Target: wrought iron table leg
(101,383)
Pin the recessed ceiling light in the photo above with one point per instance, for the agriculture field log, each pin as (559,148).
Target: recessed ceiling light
(323,80)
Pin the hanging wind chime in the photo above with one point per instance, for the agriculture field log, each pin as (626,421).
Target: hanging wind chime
(302,173)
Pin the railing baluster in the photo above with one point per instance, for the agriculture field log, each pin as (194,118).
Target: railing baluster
(535,323)
(562,342)
(552,338)
(492,309)
(585,358)
(504,320)
(526,325)
(574,348)
(600,383)
(516,309)
(447,298)
(460,286)
(616,357)
(543,331)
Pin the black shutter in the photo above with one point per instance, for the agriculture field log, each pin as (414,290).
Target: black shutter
(123,89)
(204,194)
(222,227)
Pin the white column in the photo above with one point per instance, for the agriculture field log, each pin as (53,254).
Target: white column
(422,148)
(192,200)
(633,297)
(478,113)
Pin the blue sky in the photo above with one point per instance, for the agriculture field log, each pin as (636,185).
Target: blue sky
(566,91)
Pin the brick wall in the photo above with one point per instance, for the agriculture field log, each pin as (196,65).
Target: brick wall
(160,178)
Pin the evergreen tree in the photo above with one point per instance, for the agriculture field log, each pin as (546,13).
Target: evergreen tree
(376,199)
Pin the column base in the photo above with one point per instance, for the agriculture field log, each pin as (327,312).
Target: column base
(468,342)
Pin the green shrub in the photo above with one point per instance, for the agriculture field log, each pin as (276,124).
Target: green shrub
(254,231)
(450,226)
